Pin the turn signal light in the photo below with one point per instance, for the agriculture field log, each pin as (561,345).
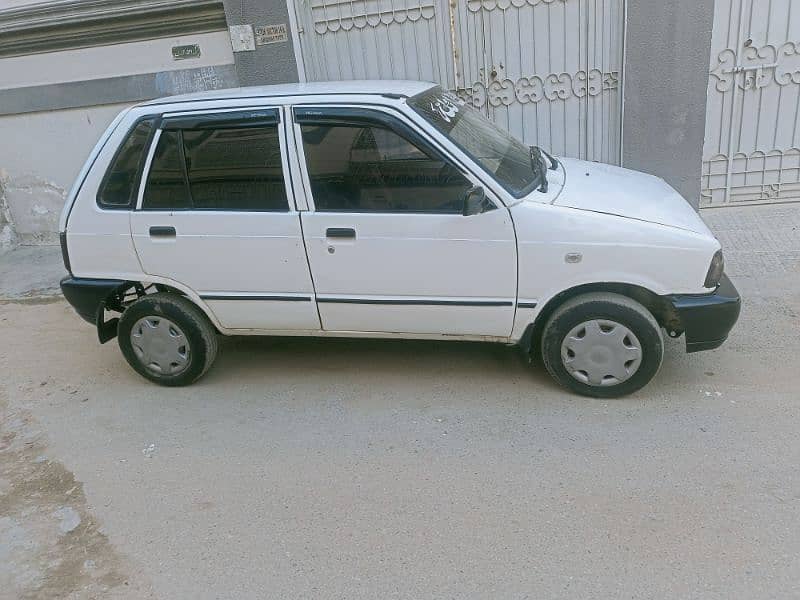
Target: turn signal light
(715,270)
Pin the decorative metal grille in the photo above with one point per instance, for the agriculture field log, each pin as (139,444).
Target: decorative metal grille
(751,144)
(547,70)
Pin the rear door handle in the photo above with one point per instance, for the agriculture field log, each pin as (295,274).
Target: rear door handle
(340,232)
(162,231)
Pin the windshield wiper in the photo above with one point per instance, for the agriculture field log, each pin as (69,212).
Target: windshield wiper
(538,166)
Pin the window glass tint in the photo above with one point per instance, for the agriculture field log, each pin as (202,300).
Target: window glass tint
(235,169)
(372,169)
(166,184)
(119,186)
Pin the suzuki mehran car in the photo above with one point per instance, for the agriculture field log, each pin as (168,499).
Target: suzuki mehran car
(379,209)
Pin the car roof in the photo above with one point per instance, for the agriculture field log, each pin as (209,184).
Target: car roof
(316,88)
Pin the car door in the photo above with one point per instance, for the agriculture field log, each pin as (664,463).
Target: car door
(389,248)
(215,214)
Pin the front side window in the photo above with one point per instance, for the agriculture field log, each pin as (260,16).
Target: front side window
(236,168)
(369,168)
(497,151)
(120,183)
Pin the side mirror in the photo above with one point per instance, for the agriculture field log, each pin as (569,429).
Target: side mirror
(474,201)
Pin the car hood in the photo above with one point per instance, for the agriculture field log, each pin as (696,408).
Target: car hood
(612,190)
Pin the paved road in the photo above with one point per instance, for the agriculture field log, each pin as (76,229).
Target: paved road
(351,469)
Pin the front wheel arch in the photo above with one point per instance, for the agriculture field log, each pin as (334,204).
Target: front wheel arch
(659,307)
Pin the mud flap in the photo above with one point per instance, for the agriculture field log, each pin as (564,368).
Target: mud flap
(106,330)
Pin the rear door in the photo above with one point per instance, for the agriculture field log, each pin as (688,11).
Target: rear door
(216,214)
(389,248)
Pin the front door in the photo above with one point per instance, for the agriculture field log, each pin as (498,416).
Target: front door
(389,248)
(215,215)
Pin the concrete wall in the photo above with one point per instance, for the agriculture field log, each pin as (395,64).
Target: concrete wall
(38,167)
(8,237)
(54,106)
(666,78)
(270,63)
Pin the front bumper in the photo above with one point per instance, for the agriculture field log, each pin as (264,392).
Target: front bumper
(707,319)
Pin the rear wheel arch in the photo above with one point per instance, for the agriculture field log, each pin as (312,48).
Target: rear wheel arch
(173,287)
(124,295)
(659,307)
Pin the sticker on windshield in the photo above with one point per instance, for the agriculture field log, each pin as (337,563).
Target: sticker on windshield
(447,106)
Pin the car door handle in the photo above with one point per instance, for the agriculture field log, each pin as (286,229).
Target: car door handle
(162,231)
(340,232)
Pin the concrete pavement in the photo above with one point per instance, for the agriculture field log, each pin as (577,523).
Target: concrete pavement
(304,468)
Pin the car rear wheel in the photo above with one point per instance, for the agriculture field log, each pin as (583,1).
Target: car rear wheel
(167,339)
(602,345)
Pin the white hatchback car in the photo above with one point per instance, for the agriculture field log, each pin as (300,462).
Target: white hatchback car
(379,209)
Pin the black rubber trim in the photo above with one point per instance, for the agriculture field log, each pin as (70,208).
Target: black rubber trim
(88,296)
(226,120)
(359,117)
(400,302)
(707,319)
(527,304)
(271,298)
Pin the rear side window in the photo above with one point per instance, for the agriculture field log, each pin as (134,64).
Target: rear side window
(119,185)
(235,168)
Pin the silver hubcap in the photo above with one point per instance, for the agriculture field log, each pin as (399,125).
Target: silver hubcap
(160,345)
(601,352)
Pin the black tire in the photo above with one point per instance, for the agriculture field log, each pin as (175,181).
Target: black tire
(603,306)
(197,329)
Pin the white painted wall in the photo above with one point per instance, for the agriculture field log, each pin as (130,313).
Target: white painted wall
(42,152)
(41,155)
(148,56)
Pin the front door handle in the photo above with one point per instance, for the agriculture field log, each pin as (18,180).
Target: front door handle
(162,231)
(341,232)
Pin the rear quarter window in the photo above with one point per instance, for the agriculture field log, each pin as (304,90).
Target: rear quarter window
(119,185)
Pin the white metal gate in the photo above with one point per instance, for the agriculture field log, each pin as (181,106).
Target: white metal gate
(752,140)
(547,70)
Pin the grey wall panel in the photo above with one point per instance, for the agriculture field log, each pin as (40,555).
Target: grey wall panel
(270,63)
(113,90)
(666,75)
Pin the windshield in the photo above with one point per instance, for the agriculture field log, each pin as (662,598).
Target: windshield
(505,158)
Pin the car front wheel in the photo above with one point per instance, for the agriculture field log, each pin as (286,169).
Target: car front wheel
(167,339)
(602,345)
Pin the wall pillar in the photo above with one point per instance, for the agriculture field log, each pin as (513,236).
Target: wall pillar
(667,50)
(269,63)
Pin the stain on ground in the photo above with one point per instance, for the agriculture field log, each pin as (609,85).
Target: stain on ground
(50,545)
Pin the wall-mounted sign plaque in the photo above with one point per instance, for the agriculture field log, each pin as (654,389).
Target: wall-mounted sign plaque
(271,34)
(188,51)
